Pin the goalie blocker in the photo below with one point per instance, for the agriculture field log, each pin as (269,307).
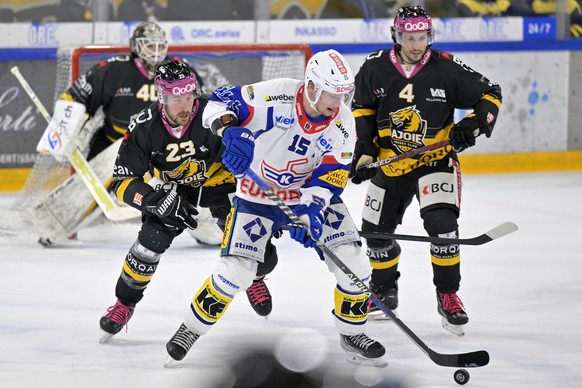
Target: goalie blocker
(60,136)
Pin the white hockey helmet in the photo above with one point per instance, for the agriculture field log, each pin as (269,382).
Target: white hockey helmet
(148,43)
(330,72)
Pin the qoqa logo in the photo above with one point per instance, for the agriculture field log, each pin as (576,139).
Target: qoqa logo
(418,26)
(190,88)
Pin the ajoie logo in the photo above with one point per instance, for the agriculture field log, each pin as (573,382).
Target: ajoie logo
(438,93)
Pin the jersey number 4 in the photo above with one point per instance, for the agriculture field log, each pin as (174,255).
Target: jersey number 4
(407,94)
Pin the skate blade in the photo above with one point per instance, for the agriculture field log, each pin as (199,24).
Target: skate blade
(458,330)
(170,362)
(356,358)
(105,337)
(379,315)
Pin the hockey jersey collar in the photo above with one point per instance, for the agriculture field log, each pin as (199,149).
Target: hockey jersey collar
(419,65)
(305,123)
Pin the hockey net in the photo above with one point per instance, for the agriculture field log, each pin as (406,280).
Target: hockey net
(217,65)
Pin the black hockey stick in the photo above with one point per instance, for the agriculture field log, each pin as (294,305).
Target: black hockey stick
(495,233)
(465,360)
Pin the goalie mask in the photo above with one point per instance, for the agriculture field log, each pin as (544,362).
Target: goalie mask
(175,78)
(149,44)
(412,18)
(329,72)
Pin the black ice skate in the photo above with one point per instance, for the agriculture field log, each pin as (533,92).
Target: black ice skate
(260,297)
(451,309)
(361,349)
(387,295)
(114,320)
(179,345)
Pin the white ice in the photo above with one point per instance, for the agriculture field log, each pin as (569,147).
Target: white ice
(523,294)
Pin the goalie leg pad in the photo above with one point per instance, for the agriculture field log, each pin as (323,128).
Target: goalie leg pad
(155,235)
(233,275)
(138,268)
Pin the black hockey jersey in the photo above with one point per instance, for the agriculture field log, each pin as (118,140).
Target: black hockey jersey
(396,113)
(192,160)
(119,87)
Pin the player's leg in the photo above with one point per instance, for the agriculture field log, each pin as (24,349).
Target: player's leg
(139,266)
(350,311)
(386,201)
(248,229)
(218,201)
(439,207)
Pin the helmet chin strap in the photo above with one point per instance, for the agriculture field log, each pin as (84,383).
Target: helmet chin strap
(312,103)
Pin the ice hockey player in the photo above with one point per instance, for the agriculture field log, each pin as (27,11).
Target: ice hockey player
(167,139)
(123,86)
(313,133)
(405,98)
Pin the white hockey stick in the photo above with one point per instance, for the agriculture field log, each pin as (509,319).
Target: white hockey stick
(82,167)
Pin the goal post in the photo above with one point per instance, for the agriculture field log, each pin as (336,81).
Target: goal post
(217,65)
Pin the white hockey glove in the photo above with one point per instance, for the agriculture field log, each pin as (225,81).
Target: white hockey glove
(59,136)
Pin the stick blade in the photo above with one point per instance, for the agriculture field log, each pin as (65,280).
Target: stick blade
(465,360)
(502,230)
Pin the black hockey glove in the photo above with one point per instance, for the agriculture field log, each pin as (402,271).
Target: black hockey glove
(359,172)
(365,153)
(171,209)
(463,133)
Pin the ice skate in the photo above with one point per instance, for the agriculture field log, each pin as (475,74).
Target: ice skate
(260,297)
(114,320)
(361,349)
(452,312)
(387,295)
(179,345)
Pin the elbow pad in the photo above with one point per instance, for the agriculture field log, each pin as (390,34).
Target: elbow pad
(221,123)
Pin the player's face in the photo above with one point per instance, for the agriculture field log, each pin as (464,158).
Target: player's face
(413,45)
(179,109)
(326,105)
(329,103)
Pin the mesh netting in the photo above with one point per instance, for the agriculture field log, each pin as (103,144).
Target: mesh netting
(217,65)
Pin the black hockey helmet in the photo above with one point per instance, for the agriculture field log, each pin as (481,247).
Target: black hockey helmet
(412,18)
(148,43)
(176,78)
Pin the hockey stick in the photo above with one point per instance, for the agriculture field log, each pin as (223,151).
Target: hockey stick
(82,167)
(408,154)
(466,360)
(495,233)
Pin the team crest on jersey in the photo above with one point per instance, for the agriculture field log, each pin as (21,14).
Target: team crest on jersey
(407,128)
(190,173)
(287,176)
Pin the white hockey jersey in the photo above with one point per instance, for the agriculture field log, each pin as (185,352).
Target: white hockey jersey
(298,157)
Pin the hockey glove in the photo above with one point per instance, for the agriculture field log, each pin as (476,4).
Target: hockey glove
(240,147)
(312,217)
(171,209)
(359,172)
(463,133)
